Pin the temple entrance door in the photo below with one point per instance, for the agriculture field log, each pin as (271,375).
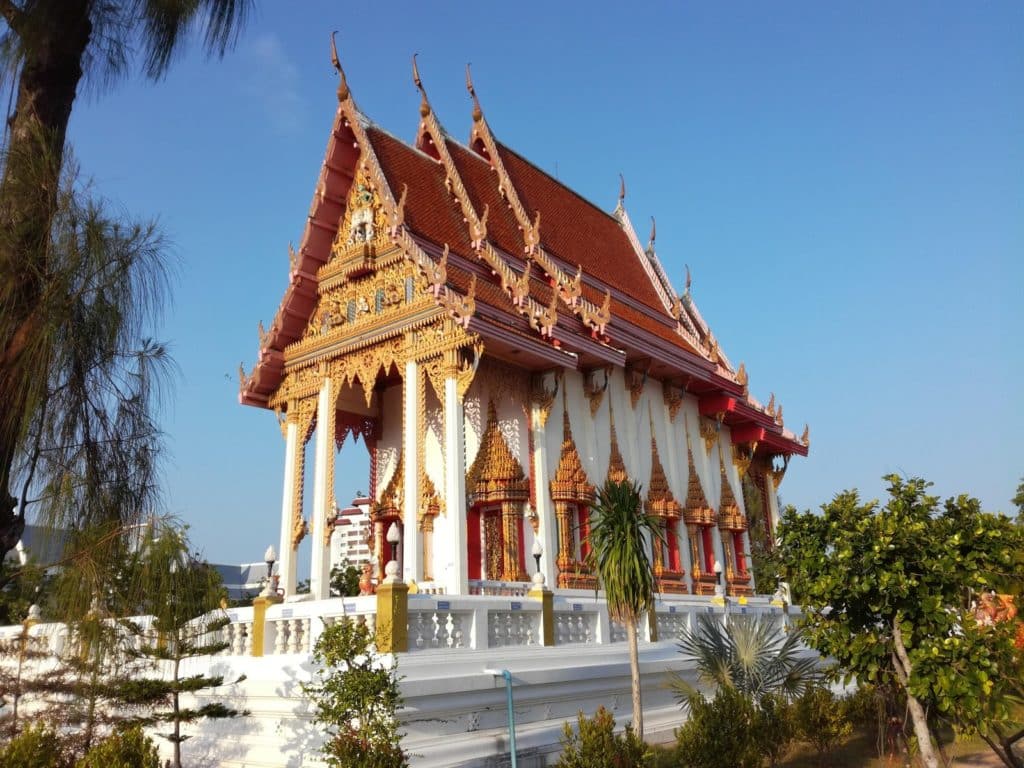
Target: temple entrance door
(486,543)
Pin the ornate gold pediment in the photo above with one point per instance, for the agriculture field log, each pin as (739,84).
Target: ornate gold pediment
(496,475)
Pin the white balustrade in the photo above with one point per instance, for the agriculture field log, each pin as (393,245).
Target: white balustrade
(512,628)
(575,626)
(499,588)
(439,627)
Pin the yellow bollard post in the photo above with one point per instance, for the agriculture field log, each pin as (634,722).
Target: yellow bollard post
(547,609)
(392,614)
(259,620)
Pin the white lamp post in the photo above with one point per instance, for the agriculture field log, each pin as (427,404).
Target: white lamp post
(391,569)
(719,589)
(538,550)
(269,557)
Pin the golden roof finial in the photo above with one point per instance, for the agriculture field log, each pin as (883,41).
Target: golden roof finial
(805,438)
(424,104)
(622,189)
(689,279)
(654,233)
(477,112)
(343,92)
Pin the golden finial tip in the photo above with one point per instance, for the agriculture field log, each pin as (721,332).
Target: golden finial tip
(654,234)
(622,189)
(477,112)
(343,92)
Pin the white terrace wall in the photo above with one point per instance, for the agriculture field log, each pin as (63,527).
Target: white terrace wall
(454,712)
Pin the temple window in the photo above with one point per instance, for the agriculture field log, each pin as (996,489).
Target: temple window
(378,300)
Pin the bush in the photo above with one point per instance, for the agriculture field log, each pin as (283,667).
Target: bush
(127,748)
(594,744)
(356,696)
(35,747)
(821,720)
(774,728)
(719,733)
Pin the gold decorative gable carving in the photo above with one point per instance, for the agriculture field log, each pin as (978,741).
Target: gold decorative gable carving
(496,474)
(365,221)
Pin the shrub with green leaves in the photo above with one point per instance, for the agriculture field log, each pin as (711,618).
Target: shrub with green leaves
(719,733)
(822,721)
(594,744)
(127,748)
(774,727)
(35,747)
(356,696)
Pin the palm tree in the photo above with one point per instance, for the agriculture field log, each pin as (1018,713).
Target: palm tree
(46,47)
(619,531)
(746,653)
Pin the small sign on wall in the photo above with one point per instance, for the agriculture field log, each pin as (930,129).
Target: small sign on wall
(444,605)
(517,606)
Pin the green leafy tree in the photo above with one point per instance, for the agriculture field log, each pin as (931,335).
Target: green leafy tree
(345,580)
(52,295)
(38,746)
(183,597)
(22,586)
(619,531)
(594,744)
(746,653)
(85,448)
(822,721)
(763,557)
(1018,502)
(356,696)
(887,592)
(29,670)
(124,748)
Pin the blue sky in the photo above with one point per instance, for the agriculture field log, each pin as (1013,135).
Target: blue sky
(846,182)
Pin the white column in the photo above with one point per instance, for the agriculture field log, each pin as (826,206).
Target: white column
(323,494)
(716,541)
(286,565)
(749,562)
(411,569)
(545,507)
(772,500)
(455,573)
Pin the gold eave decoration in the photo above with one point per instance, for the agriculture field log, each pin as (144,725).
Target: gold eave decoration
(390,503)
(496,474)
(570,482)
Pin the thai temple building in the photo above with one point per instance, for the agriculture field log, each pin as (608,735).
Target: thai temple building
(503,346)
